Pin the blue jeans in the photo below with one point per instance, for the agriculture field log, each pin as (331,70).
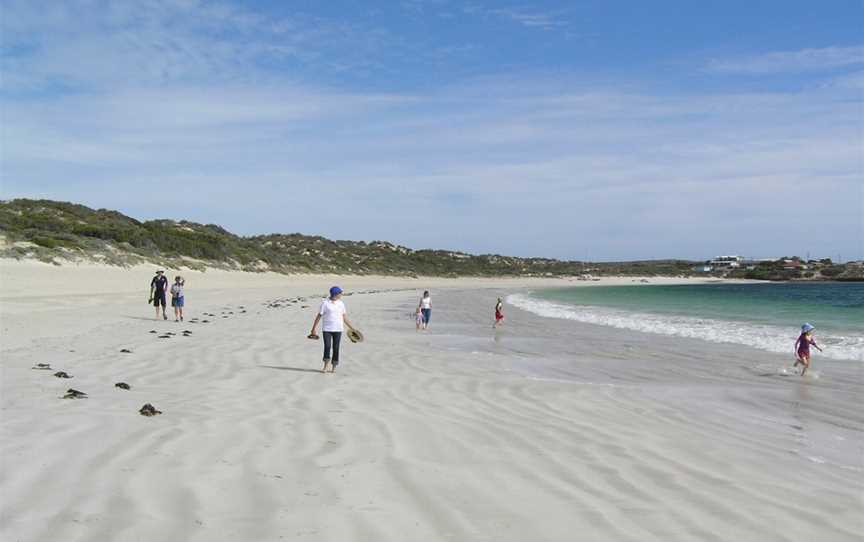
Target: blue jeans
(427,315)
(332,338)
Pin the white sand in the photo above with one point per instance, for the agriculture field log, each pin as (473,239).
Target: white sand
(547,430)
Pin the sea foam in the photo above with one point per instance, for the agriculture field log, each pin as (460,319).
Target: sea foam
(763,337)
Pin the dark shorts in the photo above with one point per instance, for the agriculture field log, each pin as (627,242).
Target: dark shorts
(177,301)
(427,314)
(159,299)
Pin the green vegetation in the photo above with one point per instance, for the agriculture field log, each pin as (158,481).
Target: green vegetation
(794,268)
(54,231)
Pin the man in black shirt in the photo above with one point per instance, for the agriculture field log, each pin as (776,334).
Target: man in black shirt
(158,286)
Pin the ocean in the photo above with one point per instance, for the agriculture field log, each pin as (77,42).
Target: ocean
(766,316)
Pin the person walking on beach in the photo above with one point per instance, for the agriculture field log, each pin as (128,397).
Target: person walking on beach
(426,308)
(499,313)
(335,317)
(802,347)
(418,318)
(177,298)
(158,286)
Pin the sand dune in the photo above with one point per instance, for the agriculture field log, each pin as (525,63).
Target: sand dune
(546,430)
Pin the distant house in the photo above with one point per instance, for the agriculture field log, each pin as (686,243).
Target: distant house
(727,262)
(794,265)
(703,269)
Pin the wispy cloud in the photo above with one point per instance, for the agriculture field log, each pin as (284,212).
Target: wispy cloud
(853,80)
(119,104)
(535,19)
(525,16)
(616,162)
(805,60)
(90,45)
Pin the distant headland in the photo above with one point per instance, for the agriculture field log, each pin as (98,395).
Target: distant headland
(61,232)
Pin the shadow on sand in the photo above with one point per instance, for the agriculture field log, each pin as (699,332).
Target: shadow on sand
(298,369)
(150,319)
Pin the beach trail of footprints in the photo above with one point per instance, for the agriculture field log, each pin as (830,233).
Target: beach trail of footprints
(148,409)
(72,393)
(288,302)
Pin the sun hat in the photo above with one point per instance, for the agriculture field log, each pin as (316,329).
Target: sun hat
(334,291)
(807,328)
(355,336)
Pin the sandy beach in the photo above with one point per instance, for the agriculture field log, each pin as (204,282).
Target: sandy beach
(545,430)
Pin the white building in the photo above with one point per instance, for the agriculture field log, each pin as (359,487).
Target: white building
(727,262)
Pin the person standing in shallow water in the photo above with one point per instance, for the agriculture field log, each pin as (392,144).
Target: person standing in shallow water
(335,317)
(426,308)
(499,313)
(158,287)
(802,347)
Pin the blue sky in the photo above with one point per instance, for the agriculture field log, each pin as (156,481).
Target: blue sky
(603,130)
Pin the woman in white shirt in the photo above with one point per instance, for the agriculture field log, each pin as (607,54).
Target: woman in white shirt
(426,308)
(178,299)
(335,317)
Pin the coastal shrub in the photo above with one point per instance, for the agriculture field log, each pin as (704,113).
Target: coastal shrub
(832,271)
(46,242)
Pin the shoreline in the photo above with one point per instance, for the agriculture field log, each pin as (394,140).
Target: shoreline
(29,278)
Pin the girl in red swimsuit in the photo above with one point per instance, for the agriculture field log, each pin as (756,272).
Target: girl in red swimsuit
(499,313)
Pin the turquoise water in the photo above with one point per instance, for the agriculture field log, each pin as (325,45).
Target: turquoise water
(766,316)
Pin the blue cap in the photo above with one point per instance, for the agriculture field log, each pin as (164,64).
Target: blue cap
(807,328)
(334,291)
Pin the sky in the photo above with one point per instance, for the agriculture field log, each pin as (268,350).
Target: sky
(598,130)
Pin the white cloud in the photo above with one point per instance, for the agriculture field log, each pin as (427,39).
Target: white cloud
(666,169)
(805,60)
(536,19)
(850,80)
(529,17)
(86,45)
(162,103)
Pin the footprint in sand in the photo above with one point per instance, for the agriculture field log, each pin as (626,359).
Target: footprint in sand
(153,331)
(42,367)
(74,394)
(125,351)
(122,386)
(149,410)
(62,374)
(164,336)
